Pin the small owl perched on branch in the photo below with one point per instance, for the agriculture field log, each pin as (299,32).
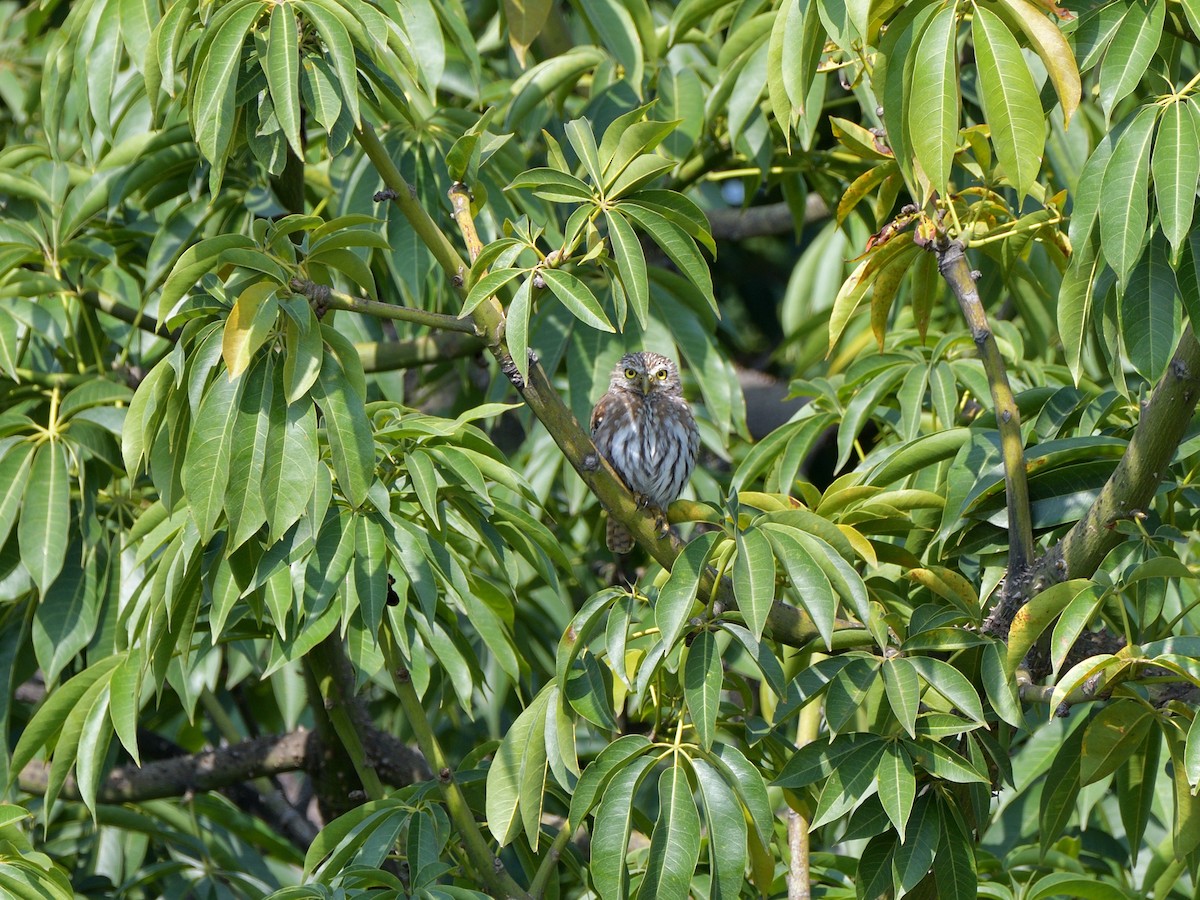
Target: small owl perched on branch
(646,431)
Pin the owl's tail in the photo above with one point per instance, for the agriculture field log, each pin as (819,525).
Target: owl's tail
(617,537)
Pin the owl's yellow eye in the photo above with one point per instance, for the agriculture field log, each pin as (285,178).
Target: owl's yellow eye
(631,373)
(661,374)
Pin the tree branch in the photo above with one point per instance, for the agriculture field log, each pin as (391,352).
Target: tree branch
(1164,421)
(954,268)
(329,298)
(389,356)
(222,767)
(770,218)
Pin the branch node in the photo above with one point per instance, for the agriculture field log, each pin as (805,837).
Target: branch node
(384,195)
(509,368)
(1062,710)
(445,775)
(403,676)
(591,462)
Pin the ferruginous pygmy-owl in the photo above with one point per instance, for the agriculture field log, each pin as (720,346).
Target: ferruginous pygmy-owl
(645,429)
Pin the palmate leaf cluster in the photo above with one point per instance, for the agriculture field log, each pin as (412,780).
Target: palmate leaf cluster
(289,295)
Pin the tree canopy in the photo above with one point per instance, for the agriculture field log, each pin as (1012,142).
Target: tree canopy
(303,587)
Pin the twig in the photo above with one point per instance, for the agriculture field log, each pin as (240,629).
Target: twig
(332,299)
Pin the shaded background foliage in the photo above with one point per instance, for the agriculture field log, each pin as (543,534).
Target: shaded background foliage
(300,584)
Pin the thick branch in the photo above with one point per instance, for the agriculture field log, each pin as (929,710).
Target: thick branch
(215,769)
(134,317)
(952,263)
(1164,421)
(770,218)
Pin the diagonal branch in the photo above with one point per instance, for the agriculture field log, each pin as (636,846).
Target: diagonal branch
(1164,421)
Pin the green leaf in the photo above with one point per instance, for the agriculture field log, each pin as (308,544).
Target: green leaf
(51,715)
(933,107)
(282,67)
(547,78)
(678,595)
(1076,616)
(42,528)
(370,571)
(125,701)
(1112,737)
(950,683)
(486,287)
(517,326)
(1124,194)
(14,471)
(339,49)
(550,184)
(1051,46)
(954,868)
(290,465)
(1175,166)
(675,843)
(589,691)
(1135,783)
(517,777)
(727,844)
(1010,100)
(942,762)
(194,262)
(578,298)
(811,586)
(914,857)
(1129,54)
(1150,312)
(525,19)
(206,460)
(903,689)
(579,133)
(1032,618)
(213,107)
(677,244)
(247,462)
(1060,791)
(897,785)
(754,579)
(65,620)
(703,678)
(747,782)
(999,685)
(614,822)
(595,778)
(631,264)
(351,443)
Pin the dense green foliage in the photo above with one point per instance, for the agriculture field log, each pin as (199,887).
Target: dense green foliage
(302,301)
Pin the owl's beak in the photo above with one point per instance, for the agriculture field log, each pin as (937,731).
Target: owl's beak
(645,382)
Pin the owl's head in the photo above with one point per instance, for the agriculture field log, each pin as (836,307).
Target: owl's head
(646,373)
